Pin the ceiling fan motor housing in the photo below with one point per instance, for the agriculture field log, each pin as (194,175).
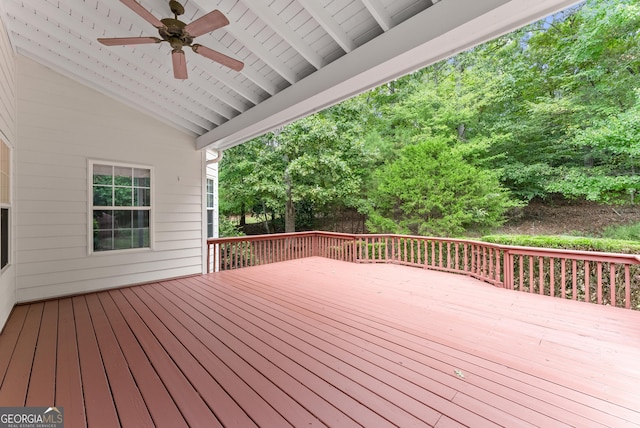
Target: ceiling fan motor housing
(173,32)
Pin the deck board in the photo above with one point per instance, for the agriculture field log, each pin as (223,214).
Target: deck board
(315,342)
(19,368)
(69,383)
(9,338)
(440,382)
(98,399)
(132,410)
(186,398)
(43,373)
(161,406)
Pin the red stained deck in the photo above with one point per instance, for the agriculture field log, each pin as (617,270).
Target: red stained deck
(314,342)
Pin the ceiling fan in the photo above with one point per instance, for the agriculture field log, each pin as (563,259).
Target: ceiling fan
(179,35)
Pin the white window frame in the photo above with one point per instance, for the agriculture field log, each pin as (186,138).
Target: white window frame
(90,207)
(211,209)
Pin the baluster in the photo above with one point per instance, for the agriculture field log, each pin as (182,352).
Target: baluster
(563,278)
(574,271)
(413,259)
(552,280)
(599,282)
(587,286)
(466,258)
(612,283)
(490,266)
(498,267)
(541,275)
(531,280)
(627,287)
(457,249)
(521,287)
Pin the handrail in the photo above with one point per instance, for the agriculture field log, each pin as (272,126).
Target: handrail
(598,277)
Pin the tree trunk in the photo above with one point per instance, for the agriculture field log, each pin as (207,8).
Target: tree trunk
(290,210)
(243,215)
(266,218)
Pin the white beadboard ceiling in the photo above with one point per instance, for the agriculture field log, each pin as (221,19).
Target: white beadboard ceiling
(300,56)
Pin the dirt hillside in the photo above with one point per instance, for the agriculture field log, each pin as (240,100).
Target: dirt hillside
(569,218)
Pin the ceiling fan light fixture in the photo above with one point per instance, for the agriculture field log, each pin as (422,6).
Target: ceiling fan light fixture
(178,34)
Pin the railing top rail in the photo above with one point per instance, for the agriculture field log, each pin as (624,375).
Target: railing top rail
(516,250)
(429,238)
(267,237)
(581,254)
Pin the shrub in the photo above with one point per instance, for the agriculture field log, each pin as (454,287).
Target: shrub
(629,232)
(567,243)
(432,190)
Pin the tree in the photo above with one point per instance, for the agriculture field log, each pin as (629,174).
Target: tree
(431,190)
(614,147)
(570,75)
(236,195)
(316,163)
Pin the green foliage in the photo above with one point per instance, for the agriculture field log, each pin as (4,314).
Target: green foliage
(596,185)
(552,108)
(567,243)
(629,232)
(431,190)
(528,181)
(567,100)
(314,164)
(228,228)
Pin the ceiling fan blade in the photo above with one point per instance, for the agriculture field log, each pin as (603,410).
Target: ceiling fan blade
(216,56)
(143,13)
(207,23)
(179,64)
(119,41)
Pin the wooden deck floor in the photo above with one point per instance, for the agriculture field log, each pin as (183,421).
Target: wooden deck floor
(317,342)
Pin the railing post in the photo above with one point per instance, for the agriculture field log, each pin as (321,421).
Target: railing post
(508,270)
(354,249)
(314,245)
(216,258)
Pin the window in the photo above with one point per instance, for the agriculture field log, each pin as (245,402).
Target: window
(5,201)
(210,206)
(121,206)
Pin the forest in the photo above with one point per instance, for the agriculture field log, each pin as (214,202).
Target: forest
(549,111)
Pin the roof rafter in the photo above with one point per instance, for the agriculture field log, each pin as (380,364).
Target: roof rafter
(379,13)
(329,24)
(277,24)
(254,46)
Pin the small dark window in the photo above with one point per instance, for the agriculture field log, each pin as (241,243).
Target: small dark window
(5,202)
(4,237)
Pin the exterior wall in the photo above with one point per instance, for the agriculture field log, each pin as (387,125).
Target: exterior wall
(8,135)
(62,125)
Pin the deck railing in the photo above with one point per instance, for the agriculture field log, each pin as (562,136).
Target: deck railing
(603,278)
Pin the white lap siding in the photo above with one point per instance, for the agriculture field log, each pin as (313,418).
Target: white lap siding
(62,125)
